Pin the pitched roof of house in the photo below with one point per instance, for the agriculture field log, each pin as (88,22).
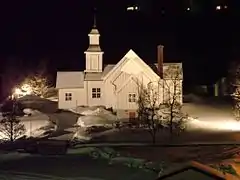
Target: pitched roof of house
(208,171)
(93,76)
(72,79)
(75,79)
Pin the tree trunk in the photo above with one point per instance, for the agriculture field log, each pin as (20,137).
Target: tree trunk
(154,138)
(11,133)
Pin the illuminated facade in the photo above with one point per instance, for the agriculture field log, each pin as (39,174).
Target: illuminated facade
(114,85)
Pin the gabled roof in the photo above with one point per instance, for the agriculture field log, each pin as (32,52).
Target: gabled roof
(73,79)
(130,54)
(206,170)
(107,69)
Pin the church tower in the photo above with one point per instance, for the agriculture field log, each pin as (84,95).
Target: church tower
(94,54)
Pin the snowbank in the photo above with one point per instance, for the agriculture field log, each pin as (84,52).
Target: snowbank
(96,117)
(84,110)
(36,125)
(29,111)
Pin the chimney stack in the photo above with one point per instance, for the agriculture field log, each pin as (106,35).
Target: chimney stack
(160,60)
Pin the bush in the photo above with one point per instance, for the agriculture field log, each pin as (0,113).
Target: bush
(96,129)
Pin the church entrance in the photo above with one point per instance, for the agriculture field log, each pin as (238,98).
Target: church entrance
(132,116)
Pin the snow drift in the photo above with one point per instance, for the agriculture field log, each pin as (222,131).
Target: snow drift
(35,123)
(97,117)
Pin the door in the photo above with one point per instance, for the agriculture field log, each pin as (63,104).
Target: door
(132,116)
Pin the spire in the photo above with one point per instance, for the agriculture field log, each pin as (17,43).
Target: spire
(94,18)
(94,29)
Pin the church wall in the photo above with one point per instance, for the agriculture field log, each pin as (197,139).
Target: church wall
(123,96)
(78,98)
(109,94)
(89,88)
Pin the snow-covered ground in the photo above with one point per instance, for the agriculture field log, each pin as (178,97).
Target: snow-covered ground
(211,117)
(92,116)
(35,123)
(96,117)
(203,116)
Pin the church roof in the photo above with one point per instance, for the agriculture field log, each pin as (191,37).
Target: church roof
(211,173)
(94,31)
(171,70)
(94,48)
(74,79)
(93,76)
(107,69)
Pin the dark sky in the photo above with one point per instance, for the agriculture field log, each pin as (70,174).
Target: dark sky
(56,32)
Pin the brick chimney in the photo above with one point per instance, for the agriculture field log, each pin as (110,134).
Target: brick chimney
(160,60)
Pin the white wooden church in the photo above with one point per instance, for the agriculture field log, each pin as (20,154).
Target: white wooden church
(112,85)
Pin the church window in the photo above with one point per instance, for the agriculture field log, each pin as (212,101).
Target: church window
(68,96)
(132,97)
(96,92)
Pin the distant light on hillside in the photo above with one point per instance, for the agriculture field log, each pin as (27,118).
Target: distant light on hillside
(132,8)
(218,7)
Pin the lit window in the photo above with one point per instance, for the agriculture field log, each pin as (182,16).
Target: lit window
(96,92)
(68,96)
(131,97)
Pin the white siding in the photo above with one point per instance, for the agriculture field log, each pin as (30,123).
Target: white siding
(94,61)
(78,98)
(94,39)
(109,94)
(122,96)
(94,101)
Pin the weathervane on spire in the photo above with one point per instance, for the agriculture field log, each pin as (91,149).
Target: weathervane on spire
(94,18)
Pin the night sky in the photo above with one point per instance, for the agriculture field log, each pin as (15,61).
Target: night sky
(54,33)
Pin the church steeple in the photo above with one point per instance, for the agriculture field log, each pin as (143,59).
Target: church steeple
(94,53)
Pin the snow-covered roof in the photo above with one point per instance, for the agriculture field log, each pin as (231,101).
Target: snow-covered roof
(107,69)
(74,79)
(170,70)
(208,171)
(94,48)
(93,76)
(94,31)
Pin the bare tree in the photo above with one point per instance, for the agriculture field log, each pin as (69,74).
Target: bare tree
(171,107)
(38,83)
(10,126)
(234,86)
(160,103)
(148,109)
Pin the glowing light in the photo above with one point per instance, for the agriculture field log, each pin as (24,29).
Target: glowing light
(188,9)
(17,91)
(26,89)
(214,125)
(225,7)
(132,8)
(218,7)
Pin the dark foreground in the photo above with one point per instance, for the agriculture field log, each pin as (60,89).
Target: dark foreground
(74,167)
